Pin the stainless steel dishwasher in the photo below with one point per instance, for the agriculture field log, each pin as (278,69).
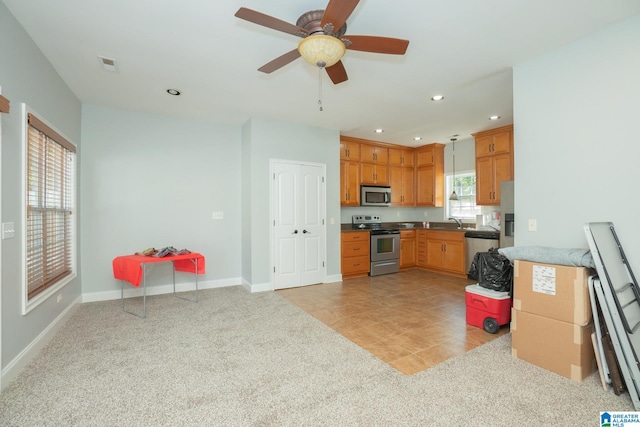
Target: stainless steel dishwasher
(479,241)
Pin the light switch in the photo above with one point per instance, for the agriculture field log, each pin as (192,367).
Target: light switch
(533,225)
(217,215)
(8,230)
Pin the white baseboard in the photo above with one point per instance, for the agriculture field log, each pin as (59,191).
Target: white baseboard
(130,291)
(264,287)
(16,366)
(257,287)
(333,278)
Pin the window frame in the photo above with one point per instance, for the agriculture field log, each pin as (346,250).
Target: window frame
(56,136)
(448,190)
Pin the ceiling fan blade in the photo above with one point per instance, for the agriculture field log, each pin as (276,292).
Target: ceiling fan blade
(337,73)
(378,44)
(337,12)
(280,61)
(270,22)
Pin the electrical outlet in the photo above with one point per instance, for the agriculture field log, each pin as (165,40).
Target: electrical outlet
(426,214)
(533,225)
(59,298)
(332,221)
(398,214)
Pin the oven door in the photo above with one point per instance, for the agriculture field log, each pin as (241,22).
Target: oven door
(385,246)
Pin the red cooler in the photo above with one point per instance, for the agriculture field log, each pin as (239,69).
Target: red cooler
(487,309)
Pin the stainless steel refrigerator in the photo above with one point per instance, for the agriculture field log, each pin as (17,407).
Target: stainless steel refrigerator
(507,217)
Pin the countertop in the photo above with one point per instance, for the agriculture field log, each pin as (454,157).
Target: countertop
(436,226)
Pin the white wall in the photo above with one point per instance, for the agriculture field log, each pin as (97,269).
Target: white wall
(268,139)
(154,181)
(576,142)
(26,76)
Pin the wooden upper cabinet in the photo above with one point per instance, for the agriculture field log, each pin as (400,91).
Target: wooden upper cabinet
(402,182)
(401,157)
(494,163)
(429,176)
(426,155)
(349,183)
(495,141)
(374,174)
(374,154)
(349,150)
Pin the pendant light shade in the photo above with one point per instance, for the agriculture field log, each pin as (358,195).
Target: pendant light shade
(453,195)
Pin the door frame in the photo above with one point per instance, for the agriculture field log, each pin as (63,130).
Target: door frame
(272,242)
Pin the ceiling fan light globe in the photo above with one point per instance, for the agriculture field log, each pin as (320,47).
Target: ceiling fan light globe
(321,49)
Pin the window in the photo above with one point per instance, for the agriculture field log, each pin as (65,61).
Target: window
(50,199)
(465,206)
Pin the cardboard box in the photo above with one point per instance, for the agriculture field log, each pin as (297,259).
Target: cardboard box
(560,347)
(556,291)
(482,303)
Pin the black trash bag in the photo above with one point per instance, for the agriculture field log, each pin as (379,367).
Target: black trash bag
(492,270)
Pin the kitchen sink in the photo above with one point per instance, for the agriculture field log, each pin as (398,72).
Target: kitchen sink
(406,225)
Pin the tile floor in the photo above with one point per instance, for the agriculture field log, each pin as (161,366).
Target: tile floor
(411,320)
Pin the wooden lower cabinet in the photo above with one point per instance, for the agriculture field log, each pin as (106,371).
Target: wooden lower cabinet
(421,248)
(441,251)
(355,249)
(407,248)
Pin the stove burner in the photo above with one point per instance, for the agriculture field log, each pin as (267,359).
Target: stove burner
(373,223)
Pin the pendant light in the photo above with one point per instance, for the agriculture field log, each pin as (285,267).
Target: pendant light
(453,195)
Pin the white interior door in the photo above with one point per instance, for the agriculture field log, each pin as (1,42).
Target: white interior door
(298,210)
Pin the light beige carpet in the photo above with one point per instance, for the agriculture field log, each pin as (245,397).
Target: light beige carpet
(237,359)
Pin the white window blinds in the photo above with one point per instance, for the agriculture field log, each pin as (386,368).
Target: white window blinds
(49,225)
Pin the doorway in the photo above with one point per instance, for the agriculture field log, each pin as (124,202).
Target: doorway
(298,209)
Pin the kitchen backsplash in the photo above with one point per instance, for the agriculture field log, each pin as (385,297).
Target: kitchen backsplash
(391,214)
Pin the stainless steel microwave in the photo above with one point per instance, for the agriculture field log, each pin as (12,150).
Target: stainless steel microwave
(375,196)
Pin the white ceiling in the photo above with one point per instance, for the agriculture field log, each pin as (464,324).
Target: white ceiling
(463,49)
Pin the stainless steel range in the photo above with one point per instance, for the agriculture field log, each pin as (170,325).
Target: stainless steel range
(385,244)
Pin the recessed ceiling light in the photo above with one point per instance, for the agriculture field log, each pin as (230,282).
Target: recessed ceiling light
(417,138)
(437,98)
(494,117)
(379,130)
(174,92)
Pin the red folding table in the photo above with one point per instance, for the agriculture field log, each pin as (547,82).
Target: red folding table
(133,269)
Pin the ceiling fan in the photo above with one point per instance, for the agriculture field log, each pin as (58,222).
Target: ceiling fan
(322,42)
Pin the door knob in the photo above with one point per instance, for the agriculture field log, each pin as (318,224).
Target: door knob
(295,232)
(305,231)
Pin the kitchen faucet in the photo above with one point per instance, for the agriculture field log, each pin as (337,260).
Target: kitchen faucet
(458,221)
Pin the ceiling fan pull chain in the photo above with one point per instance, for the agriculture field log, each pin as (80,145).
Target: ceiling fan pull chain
(320,87)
